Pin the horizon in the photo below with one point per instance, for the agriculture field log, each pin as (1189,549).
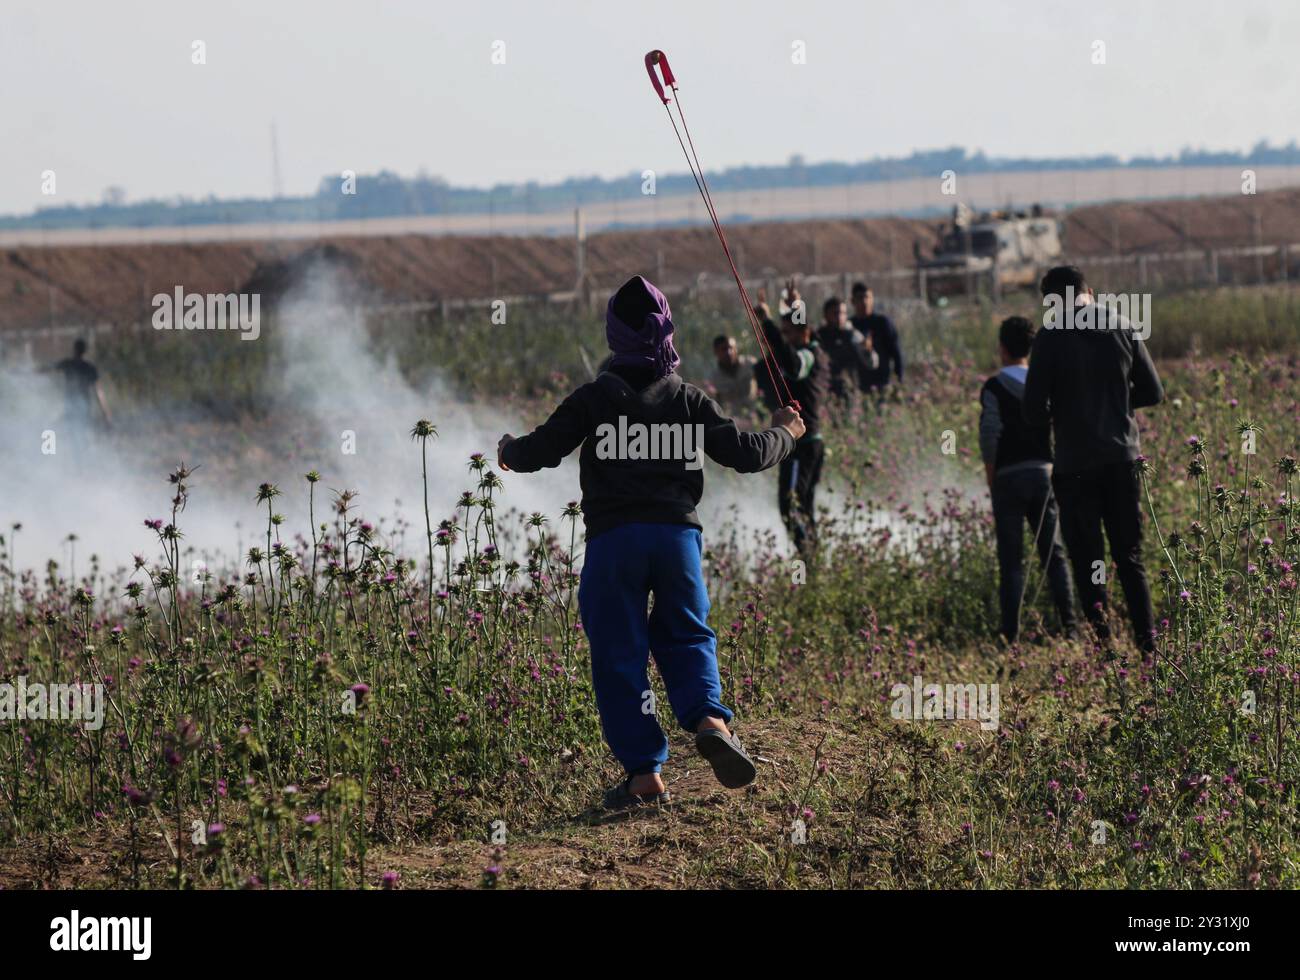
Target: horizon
(1187,156)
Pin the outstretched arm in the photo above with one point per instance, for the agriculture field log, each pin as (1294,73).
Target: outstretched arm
(547,445)
(785,356)
(747,452)
(793,363)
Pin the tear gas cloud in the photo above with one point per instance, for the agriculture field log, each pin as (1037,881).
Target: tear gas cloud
(336,407)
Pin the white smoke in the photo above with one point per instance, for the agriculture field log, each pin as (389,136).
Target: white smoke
(336,408)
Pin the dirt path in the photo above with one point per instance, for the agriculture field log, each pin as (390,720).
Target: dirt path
(708,836)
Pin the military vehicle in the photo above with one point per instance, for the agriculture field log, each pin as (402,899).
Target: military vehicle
(995,250)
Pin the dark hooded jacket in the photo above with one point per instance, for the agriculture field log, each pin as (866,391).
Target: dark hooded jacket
(852,363)
(618,491)
(806,372)
(1088,382)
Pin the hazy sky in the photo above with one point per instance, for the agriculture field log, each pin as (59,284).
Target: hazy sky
(105,93)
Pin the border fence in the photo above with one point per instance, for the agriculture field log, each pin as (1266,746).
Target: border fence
(898,288)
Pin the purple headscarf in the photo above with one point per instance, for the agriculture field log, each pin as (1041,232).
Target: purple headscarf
(639,328)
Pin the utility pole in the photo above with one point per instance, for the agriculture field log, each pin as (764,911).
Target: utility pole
(580,255)
(1259,246)
(277,183)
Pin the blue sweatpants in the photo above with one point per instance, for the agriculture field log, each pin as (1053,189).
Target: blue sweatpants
(623,567)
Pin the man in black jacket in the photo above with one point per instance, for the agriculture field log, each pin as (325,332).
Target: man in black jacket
(1088,371)
(882,333)
(644,433)
(805,371)
(853,362)
(1018,462)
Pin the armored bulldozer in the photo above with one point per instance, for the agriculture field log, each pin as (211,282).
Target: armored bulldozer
(995,250)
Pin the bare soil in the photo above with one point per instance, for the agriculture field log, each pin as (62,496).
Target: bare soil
(83,285)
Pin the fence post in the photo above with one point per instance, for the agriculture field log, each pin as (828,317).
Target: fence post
(579,256)
(1259,242)
(1214,267)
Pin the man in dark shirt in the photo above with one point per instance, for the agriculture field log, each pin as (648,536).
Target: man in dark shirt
(850,353)
(83,399)
(1018,462)
(882,332)
(1088,372)
(644,433)
(806,371)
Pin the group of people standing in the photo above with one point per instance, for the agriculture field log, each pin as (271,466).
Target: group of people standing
(1075,388)
(845,352)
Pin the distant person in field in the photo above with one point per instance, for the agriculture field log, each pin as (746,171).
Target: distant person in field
(642,431)
(1088,381)
(882,333)
(853,361)
(733,373)
(806,371)
(83,398)
(1018,463)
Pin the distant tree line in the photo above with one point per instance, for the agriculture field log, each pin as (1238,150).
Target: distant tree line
(387,194)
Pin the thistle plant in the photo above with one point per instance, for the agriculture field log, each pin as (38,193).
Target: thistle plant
(303,714)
